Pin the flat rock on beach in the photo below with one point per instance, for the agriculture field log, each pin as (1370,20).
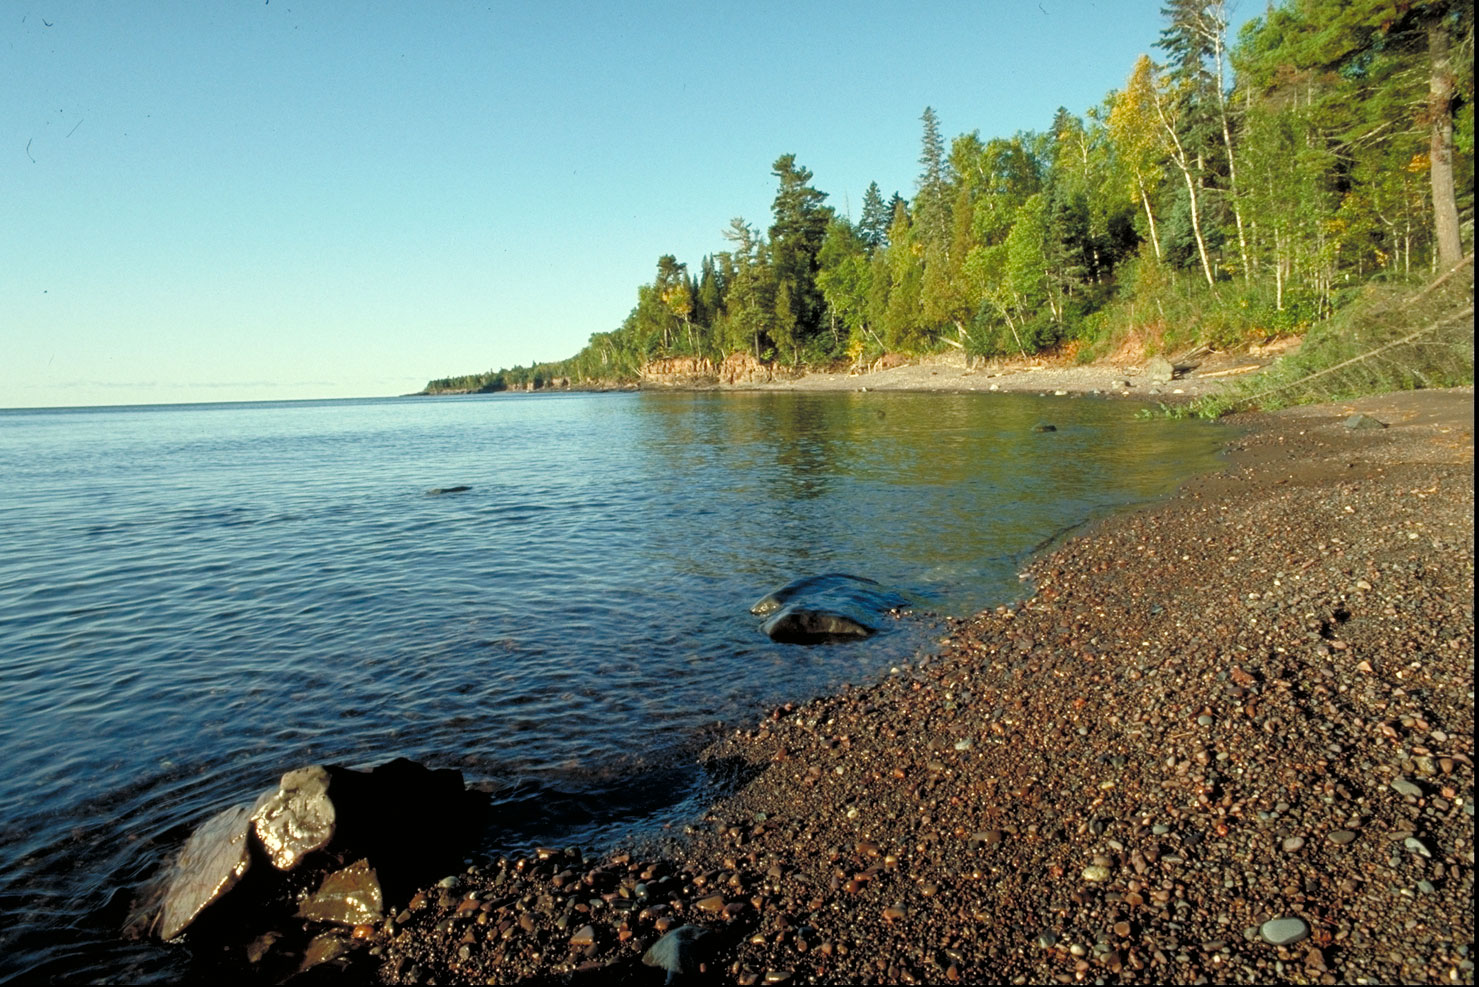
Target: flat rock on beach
(1229,738)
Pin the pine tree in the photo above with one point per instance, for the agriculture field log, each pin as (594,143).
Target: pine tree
(873,224)
(796,235)
(932,203)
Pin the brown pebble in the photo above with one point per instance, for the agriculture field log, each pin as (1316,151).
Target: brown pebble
(713,904)
(584,937)
(894,913)
(1122,929)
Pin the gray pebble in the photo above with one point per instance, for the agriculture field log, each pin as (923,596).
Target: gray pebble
(1283,931)
(1293,844)
(1404,787)
(1341,837)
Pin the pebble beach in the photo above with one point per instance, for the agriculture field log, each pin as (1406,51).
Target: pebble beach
(1228,738)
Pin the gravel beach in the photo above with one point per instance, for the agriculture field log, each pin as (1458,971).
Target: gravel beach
(1229,738)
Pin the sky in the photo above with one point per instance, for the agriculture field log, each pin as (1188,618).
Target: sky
(252,200)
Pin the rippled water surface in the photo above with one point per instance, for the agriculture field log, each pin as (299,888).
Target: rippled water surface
(194,599)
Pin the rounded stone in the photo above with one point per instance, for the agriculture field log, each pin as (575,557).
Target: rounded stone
(1283,931)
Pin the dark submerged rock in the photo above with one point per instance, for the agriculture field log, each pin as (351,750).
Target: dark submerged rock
(1045,428)
(837,589)
(439,491)
(827,607)
(812,586)
(798,625)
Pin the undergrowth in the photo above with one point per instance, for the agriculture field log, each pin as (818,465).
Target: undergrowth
(1388,339)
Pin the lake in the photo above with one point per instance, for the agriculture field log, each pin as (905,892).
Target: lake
(197,598)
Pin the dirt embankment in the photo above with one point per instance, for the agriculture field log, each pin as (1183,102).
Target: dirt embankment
(1230,739)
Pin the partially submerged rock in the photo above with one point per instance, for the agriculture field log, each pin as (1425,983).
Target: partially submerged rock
(297,818)
(830,585)
(799,625)
(350,896)
(213,861)
(827,607)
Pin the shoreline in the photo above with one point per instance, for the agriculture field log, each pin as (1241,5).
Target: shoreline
(1138,380)
(1229,736)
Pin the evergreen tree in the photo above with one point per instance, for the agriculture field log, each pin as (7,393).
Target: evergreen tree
(932,203)
(873,224)
(796,235)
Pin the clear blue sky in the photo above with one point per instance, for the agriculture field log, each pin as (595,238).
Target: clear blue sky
(246,200)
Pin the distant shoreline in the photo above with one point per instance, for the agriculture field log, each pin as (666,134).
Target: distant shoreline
(953,375)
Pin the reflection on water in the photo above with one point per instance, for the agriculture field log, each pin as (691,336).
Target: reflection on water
(196,599)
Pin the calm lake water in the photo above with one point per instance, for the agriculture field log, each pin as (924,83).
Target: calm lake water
(195,599)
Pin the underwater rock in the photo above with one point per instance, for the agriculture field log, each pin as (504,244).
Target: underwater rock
(828,607)
(835,587)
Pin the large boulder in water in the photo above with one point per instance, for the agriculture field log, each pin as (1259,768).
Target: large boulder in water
(831,606)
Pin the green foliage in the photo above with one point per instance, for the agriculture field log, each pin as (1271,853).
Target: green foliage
(1391,338)
(1249,187)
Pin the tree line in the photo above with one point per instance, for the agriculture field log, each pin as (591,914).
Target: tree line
(1234,188)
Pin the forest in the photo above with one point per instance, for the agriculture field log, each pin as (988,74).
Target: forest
(1234,189)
